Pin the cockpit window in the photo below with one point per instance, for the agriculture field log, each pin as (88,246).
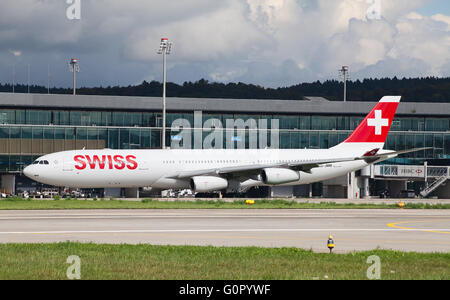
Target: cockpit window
(35,162)
(46,162)
(41,162)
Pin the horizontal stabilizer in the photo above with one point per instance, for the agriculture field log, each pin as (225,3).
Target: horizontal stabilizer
(392,153)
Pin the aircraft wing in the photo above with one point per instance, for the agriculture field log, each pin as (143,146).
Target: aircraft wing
(304,166)
(254,169)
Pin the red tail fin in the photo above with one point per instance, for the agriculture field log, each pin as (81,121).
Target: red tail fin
(375,127)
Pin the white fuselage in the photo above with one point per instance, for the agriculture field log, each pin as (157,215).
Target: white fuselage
(156,168)
(212,170)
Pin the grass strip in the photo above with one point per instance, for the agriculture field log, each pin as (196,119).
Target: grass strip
(104,261)
(17,203)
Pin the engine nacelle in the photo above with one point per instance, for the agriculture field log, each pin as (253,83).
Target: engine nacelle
(275,176)
(205,184)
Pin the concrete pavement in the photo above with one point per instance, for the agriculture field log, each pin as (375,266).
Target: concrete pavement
(359,229)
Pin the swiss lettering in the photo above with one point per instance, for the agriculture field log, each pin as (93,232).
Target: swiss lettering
(103,162)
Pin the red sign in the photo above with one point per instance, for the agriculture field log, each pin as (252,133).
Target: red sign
(107,161)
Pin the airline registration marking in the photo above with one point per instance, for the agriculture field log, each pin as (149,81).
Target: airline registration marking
(110,162)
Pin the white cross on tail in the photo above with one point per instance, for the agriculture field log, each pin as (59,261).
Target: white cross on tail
(378,122)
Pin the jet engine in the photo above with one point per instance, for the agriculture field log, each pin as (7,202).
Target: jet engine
(205,184)
(275,176)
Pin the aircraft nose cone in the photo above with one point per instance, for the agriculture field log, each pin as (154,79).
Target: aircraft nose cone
(27,171)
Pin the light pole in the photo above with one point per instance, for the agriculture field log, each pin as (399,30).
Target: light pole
(74,68)
(17,55)
(344,72)
(28,82)
(48,79)
(14,78)
(164,48)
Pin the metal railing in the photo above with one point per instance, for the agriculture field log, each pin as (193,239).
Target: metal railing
(428,190)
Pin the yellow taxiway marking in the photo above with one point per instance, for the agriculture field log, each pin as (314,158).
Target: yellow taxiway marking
(395,225)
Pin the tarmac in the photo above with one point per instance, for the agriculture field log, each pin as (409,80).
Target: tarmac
(352,229)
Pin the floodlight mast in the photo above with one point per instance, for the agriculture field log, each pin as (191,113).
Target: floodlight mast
(28,82)
(14,78)
(165,48)
(344,72)
(74,68)
(48,80)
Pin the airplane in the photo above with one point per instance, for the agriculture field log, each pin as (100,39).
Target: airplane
(217,170)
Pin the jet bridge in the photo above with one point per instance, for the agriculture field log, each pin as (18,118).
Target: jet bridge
(433,176)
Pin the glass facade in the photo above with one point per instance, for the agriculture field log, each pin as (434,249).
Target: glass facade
(26,134)
(150,119)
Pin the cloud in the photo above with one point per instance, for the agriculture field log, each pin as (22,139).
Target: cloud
(363,44)
(16,53)
(394,67)
(425,39)
(212,35)
(443,19)
(272,43)
(273,75)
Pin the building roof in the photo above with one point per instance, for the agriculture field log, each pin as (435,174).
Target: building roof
(125,103)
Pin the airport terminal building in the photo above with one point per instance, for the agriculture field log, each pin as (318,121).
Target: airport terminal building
(32,125)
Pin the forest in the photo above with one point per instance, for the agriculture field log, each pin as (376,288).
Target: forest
(429,89)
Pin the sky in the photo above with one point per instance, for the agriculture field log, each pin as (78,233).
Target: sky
(272,43)
(435,7)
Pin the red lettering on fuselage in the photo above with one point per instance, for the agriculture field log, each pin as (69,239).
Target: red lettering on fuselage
(82,164)
(95,160)
(118,162)
(132,164)
(110,162)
